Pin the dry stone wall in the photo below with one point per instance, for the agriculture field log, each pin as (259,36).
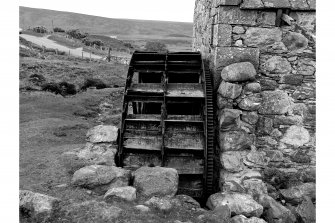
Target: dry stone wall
(262,57)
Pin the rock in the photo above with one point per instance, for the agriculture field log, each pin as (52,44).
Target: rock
(239,43)
(162,204)
(292,79)
(238,72)
(229,90)
(295,194)
(160,181)
(224,102)
(39,207)
(264,38)
(102,133)
(295,41)
(220,214)
(142,208)
(275,103)
(238,30)
(288,120)
(229,118)
(252,88)
(266,18)
(187,201)
(100,178)
(274,211)
(264,125)
(299,4)
(306,66)
(238,203)
(234,181)
(276,133)
(305,91)
(266,142)
(275,155)
(249,117)
(255,187)
(306,211)
(306,20)
(268,84)
(225,56)
(243,219)
(93,211)
(252,4)
(232,161)
(276,4)
(251,102)
(90,154)
(276,66)
(222,35)
(123,193)
(235,140)
(256,159)
(296,136)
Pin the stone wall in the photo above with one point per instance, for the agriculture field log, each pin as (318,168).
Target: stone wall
(262,57)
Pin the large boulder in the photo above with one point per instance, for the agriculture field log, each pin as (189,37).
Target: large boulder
(238,72)
(159,181)
(243,219)
(295,194)
(238,203)
(274,211)
(296,136)
(235,140)
(38,207)
(92,211)
(121,193)
(101,178)
(275,103)
(102,133)
(90,154)
(306,211)
(229,90)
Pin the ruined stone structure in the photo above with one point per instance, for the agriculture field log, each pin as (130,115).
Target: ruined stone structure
(262,57)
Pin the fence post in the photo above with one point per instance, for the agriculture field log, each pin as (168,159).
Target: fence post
(90,55)
(82,54)
(56,51)
(109,54)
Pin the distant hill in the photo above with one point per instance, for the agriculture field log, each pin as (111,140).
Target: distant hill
(123,28)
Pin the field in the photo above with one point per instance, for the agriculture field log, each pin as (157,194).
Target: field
(135,31)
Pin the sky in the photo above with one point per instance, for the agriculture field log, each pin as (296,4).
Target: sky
(168,10)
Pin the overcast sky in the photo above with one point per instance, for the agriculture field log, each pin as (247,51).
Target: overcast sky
(167,10)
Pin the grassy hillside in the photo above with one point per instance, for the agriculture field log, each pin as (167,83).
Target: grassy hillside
(123,28)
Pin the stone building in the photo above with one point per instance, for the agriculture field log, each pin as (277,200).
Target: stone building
(262,57)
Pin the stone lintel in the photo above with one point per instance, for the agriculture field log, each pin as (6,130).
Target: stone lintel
(227,2)
(234,15)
